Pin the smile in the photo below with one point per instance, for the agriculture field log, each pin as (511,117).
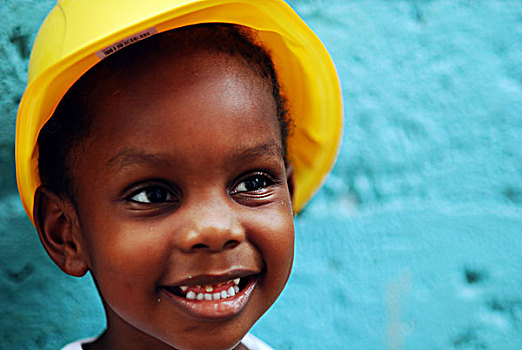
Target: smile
(212,300)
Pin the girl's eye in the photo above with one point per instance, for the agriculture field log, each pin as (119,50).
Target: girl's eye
(253,183)
(152,194)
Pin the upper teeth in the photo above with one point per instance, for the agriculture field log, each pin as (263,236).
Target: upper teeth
(210,294)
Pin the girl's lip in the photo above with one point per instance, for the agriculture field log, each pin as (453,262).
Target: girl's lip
(214,309)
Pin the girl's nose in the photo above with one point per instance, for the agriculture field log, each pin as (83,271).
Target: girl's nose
(212,231)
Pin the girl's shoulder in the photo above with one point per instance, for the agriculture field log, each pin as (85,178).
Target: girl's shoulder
(77,345)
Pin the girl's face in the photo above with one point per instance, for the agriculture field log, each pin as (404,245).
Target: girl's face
(182,194)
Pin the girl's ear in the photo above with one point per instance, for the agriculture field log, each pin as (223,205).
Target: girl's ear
(57,225)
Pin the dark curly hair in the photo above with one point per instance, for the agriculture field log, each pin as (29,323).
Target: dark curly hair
(71,123)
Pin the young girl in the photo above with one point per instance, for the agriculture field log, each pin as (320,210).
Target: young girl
(164,146)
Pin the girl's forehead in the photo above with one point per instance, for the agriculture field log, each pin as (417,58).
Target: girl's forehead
(203,99)
(210,74)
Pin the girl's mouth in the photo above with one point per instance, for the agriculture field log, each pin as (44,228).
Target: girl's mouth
(214,300)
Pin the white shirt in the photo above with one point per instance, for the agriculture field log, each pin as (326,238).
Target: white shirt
(250,341)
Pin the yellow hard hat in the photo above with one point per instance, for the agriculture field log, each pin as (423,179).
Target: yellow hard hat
(78,34)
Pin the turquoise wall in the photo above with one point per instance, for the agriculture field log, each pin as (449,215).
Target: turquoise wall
(415,241)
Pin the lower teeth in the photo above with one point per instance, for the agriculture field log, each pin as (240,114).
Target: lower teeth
(230,292)
(212,296)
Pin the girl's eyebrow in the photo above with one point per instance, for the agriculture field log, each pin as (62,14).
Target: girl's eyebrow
(269,149)
(132,156)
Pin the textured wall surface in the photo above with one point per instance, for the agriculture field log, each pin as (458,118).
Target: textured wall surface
(415,242)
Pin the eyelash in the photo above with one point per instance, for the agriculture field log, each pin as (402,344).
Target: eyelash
(266,180)
(142,195)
